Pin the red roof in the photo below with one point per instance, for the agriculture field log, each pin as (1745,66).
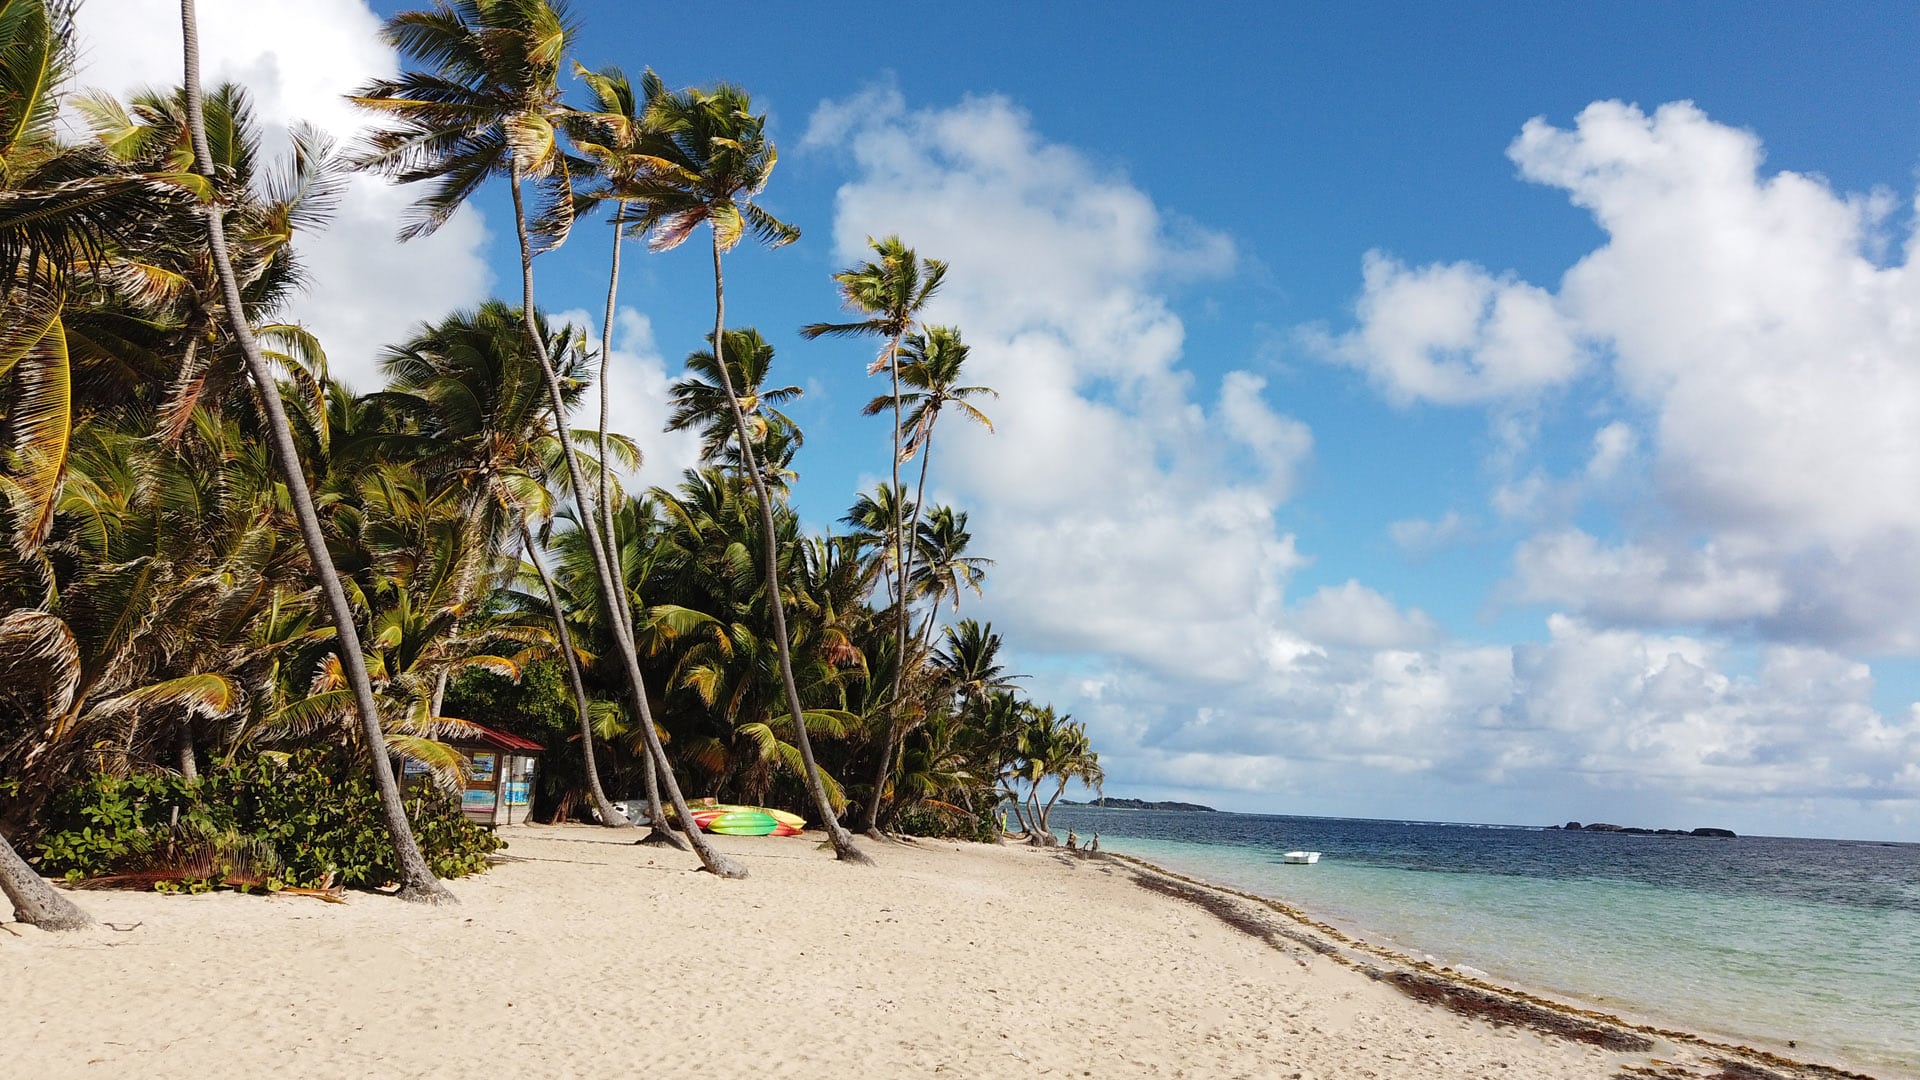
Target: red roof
(499,740)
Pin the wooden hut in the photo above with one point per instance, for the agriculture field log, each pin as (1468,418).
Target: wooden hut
(500,768)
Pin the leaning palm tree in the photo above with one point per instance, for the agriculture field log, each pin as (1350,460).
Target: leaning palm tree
(613,136)
(489,106)
(36,902)
(713,158)
(31,636)
(417,880)
(892,293)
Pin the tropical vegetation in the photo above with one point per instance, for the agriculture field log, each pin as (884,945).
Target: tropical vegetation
(235,593)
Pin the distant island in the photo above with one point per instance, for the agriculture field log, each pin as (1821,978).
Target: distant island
(1142,804)
(1601,826)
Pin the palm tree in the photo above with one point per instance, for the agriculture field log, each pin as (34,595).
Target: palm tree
(1056,747)
(613,136)
(490,107)
(700,403)
(892,292)
(871,517)
(482,401)
(714,157)
(969,663)
(62,208)
(417,880)
(34,635)
(35,901)
(945,566)
(931,364)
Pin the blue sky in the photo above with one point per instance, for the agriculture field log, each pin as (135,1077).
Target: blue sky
(1410,413)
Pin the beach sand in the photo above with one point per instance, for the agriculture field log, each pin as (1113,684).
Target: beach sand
(587,956)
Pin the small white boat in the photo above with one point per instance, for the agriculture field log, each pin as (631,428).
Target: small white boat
(1301,857)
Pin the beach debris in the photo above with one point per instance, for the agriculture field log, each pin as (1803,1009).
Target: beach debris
(1503,1011)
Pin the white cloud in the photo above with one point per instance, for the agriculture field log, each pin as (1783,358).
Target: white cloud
(1630,582)
(1453,334)
(1592,723)
(1280,444)
(298,58)
(1141,577)
(1764,345)
(1118,508)
(1352,615)
(1613,445)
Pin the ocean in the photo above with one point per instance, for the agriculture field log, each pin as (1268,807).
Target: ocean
(1756,939)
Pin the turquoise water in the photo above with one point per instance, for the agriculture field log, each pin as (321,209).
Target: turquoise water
(1758,940)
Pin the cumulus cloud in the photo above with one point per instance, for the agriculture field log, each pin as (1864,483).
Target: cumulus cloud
(1106,496)
(1631,582)
(1142,578)
(1763,343)
(1453,334)
(1353,615)
(298,58)
(1592,721)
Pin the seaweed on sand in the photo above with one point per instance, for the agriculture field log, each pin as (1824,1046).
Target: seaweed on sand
(1504,1011)
(1231,913)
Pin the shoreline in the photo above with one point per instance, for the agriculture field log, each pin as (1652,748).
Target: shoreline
(582,954)
(1357,950)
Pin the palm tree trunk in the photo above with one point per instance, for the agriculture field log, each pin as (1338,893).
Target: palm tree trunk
(712,860)
(189,764)
(919,502)
(842,840)
(659,831)
(35,901)
(903,564)
(416,878)
(469,573)
(601,804)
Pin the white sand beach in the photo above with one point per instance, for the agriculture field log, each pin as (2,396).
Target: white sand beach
(587,956)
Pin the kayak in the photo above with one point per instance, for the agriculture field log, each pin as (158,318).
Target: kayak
(736,822)
(731,820)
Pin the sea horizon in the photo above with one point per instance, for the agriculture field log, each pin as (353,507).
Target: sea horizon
(1674,831)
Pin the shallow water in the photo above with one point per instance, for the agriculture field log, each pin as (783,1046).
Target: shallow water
(1760,939)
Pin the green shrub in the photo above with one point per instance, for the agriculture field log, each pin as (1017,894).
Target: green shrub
(320,816)
(941,823)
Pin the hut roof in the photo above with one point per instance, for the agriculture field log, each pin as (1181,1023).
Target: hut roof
(499,740)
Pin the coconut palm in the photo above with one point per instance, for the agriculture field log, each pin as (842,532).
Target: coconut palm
(34,900)
(713,159)
(892,292)
(945,567)
(1053,747)
(488,104)
(417,880)
(700,403)
(931,363)
(613,135)
(62,208)
(969,663)
(871,518)
(157,311)
(483,405)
